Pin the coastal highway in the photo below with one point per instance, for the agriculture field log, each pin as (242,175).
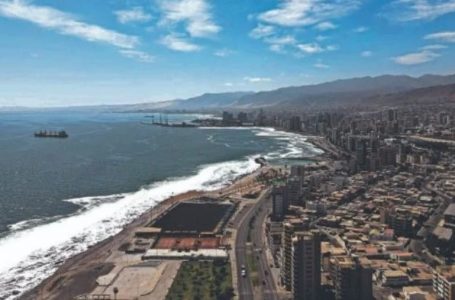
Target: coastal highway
(256,216)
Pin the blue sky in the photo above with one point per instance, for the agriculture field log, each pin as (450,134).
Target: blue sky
(68,52)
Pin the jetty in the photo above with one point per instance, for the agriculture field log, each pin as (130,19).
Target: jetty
(164,122)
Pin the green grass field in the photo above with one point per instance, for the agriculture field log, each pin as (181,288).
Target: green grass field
(200,280)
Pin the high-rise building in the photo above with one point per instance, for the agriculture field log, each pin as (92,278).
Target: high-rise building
(444,282)
(352,278)
(228,118)
(298,171)
(306,265)
(290,226)
(401,223)
(294,190)
(391,115)
(242,117)
(280,203)
(295,124)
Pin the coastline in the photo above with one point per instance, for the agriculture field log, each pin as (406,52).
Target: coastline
(78,274)
(64,267)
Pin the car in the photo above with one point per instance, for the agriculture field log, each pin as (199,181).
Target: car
(243,273)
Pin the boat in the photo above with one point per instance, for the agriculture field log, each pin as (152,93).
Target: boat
(51,134)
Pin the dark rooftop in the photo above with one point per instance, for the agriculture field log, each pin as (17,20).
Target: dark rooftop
(194,217)
(450,211)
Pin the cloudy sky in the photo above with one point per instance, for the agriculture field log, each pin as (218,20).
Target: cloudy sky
(67,52)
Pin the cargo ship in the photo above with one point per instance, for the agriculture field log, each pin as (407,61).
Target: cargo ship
(51,134)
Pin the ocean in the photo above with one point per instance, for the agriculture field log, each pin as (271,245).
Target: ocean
(60,196)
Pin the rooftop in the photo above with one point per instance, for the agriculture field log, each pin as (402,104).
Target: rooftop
(448,272)
(450,211)
(193,217)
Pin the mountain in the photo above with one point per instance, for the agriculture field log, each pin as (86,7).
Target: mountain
(441,94)
(208,101)
(343,93)
(339,93)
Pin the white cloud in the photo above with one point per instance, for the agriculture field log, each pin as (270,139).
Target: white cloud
(179,43)
(366,53)
(228,84)
(223,52)
(135,14)
(413,10)
(313,48)
(137,55)
(276,42)
(277,48)
(308,12)
(416,58)
(195,14)
(323,26)
(257,79)
(63,23)
(433,47)
(310,48)
(447,36)
(361,29)
(321,38)
(320,65)
(262,31)
(281,40)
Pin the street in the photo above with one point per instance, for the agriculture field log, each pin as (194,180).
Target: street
(256,216)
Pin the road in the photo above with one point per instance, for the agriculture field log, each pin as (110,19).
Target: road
(418,246)
(256,216)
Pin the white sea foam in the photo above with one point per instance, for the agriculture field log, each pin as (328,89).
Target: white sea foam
(229,127)
(35,248)
(297,145)
(29,256)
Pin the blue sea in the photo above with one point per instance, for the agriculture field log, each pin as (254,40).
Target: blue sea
(60,196)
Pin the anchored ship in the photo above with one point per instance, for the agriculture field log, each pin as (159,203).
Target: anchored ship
(51,134)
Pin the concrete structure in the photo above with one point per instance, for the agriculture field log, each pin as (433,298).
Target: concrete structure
(171,254)
(394,278)
(401,223)
(415,293)
(290,226)
(306,265)
(352,278)
(444,282)
(449,215)
(294,191)
(279,203)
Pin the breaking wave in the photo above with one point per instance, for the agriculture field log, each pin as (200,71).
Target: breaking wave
(34,249)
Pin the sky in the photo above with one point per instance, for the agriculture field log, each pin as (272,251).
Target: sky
(85,52)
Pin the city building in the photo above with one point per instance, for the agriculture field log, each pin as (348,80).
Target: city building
(290,226)
(449,216)
(352,278)
(280,203)
(306,265)
(444,282)
(294,191)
